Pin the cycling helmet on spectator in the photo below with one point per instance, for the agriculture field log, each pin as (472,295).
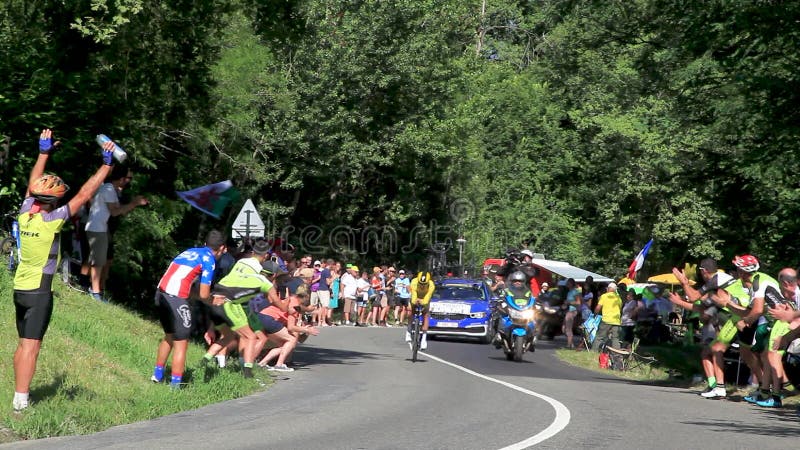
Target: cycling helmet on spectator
(517,276)
(48,189)
(423,277)
(747,263)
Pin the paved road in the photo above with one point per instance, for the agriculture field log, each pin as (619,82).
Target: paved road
(357,389)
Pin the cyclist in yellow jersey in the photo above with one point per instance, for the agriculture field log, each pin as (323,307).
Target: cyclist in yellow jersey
(40,222)
(421,289)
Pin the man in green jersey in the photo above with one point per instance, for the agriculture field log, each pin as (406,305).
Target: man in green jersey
(247,278)
(40,222)
(763,289)
(699,300)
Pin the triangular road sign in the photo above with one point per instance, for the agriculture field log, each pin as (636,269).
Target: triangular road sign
(248,222)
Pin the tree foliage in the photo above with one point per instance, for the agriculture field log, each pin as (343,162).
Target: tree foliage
(370,129)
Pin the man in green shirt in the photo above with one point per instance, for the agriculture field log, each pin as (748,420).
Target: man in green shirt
(247,278)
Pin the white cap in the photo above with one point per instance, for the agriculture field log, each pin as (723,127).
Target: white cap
(317,263)
(545,284)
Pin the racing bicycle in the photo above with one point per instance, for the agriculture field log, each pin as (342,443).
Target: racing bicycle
(416,330)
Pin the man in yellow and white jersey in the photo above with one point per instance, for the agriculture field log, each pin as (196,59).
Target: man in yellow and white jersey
(421,288)
(700,301)
(764,291)
(41,217)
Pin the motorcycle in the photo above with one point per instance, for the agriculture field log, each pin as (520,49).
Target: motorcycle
(549,317)
(516,327)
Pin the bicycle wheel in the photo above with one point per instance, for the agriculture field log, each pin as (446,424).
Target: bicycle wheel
(415,339)
(8,245)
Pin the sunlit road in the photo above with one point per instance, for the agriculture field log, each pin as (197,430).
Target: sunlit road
(357,388)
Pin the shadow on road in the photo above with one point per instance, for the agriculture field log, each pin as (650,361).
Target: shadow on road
(309,355)
(781,428)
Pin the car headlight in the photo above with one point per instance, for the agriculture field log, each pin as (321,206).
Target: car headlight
(477,315)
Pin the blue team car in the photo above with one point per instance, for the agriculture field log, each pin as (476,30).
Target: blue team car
(461,307)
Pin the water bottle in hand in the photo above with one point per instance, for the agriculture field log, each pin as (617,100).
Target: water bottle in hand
(119,153)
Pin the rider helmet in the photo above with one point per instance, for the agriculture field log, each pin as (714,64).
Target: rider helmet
(270,267)
(517,276)
(48,189)
(527,252)
(747,263)
(423,277)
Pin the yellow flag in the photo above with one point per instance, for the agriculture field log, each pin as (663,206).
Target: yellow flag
(690,270)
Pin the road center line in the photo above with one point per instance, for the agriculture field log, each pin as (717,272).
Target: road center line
(559,423)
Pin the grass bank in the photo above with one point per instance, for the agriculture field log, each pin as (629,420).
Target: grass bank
(675,365)
(94,370)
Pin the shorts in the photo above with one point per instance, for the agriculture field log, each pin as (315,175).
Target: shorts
(375,301)
(235,316)
(33,313)
(361,303)
(270,324)
(402,301)
(779,328)
(348,304)
(761,338)
(175,315)
(253,321)
(98,247)
(314,298)
(384,301)
(747,336)
(727,333)
(324,298)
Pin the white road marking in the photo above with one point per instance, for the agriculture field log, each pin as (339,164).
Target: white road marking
(559,423)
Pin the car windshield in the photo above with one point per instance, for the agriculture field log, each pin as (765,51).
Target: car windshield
(458,292)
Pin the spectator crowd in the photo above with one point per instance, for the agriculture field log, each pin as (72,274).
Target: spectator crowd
(258,299)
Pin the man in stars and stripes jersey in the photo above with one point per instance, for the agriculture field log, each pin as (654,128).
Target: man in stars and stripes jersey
(172,301)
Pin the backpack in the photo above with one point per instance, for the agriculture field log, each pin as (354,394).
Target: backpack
(604,360)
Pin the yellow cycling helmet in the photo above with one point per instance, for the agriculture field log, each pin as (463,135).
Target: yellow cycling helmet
(423,277)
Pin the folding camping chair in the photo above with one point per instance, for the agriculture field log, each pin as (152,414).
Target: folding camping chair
(630,359)
(589,329)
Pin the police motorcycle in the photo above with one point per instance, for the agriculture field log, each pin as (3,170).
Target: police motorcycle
(515,319)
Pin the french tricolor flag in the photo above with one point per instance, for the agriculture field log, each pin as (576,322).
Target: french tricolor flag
(638,262)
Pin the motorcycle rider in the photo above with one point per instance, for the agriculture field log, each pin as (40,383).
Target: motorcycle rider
(516,291)
(529,270)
